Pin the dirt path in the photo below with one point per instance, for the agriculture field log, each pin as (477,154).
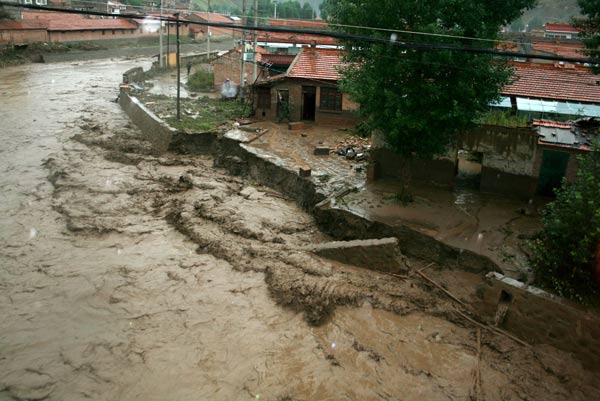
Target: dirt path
(127,276)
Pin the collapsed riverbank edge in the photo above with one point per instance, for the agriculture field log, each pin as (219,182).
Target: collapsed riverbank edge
(526,312)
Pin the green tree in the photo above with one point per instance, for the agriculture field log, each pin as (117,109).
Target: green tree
(307,11)
(290,9)
(564,254)
(323,10)
(421,98)
(590,27)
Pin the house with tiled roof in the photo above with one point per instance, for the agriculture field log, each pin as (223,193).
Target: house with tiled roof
(565,31)
(553,91)
(22,32)
(200,31)
(306,91)
(63,27)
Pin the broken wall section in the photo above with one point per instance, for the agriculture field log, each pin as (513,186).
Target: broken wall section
(538,317)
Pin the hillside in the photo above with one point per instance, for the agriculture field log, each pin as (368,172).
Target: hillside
(233,6)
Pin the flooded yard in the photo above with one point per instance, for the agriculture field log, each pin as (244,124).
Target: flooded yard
(129,276)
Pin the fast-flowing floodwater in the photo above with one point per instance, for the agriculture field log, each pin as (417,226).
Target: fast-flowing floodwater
(125,276)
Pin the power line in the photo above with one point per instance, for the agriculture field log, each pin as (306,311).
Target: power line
(337,35)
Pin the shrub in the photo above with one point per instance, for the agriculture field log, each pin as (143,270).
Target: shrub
(564,252)
(201,80)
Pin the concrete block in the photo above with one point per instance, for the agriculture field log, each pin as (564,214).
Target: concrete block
(295,126)
(322,150)
(376,254)
(304,171)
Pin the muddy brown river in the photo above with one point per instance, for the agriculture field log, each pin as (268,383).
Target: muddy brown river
(126,276)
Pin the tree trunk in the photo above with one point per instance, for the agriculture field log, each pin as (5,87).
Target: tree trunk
(597,266)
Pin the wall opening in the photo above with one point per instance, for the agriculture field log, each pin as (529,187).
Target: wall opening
(552,171)
(502,310)
(309,102)
(468,169)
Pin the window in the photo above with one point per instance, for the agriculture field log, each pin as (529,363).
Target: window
(331,99)
(264,98)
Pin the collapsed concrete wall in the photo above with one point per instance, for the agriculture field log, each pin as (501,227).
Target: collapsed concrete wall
(376,254)
(344,225)
(538,317)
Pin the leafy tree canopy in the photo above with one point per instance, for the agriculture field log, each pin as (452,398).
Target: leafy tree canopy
(590,26)
(421,98)
(564,254)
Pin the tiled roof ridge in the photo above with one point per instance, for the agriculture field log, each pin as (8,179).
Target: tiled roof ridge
(551,123)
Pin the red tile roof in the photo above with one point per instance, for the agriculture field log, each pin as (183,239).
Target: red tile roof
(551,124)
(214,17)
(561,28)
(299,23)
(280,59)
(572,50)
(296,38)
(74,22)
(549,82)
(316,64)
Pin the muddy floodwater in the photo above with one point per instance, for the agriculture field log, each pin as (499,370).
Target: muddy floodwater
(126,276)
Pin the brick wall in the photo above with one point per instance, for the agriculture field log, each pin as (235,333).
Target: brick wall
(76,36)
(23,36)
(228,66)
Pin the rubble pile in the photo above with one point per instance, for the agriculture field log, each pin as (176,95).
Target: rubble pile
(354,148)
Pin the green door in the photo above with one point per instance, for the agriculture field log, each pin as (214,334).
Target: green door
(552,171)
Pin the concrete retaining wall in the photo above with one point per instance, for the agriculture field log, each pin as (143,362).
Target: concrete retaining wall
(267,169)
(156,130)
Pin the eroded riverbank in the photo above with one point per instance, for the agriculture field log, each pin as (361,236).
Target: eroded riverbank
(131,276)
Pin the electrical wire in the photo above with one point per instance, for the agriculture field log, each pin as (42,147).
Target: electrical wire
(336,35)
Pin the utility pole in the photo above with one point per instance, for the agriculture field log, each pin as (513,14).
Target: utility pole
(160,40)
(178,72)
(208,33)
(243,43)
(168,44)
(255,71)
(275,12)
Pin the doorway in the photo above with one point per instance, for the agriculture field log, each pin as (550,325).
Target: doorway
(552,171)
(283,105)
(309,102)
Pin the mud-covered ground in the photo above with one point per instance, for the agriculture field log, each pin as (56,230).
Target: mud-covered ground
(133,277)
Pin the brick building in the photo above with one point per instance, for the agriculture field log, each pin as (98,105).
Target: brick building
(306,91)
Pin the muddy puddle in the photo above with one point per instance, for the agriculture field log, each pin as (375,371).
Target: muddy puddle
(134,277)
